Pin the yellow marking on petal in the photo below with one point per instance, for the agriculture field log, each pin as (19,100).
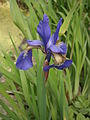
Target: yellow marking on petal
(59,59)
(58,42)
(32,47)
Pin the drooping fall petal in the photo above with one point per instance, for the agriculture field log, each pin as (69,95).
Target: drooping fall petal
(24,60)
(66,64)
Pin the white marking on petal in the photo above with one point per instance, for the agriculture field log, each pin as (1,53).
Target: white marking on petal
(49,43)
(25,54)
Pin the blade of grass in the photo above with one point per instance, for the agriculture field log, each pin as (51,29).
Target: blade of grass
(10,76)
(14,45)
(35,107)
(67,20)
(61,100)
(10,113)
(9,61)
(19,20)
(4,117)
(18,98)
(41,91)
(11,102)
(25,87)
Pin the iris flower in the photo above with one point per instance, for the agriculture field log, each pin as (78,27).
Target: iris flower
(49,45)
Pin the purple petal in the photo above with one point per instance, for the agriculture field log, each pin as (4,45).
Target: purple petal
(57,31)
(53,39)
(66,64)
(60,48)
(35,43)
(24,60)
(43,29)
(46,68)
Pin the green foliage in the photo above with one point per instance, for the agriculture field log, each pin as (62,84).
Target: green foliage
(32,98)
(80,108)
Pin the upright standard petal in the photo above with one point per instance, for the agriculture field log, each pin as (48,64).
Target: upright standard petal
(57,31)
(35,43)
(60,48)
(43,29)
(53,39)
(24,60)
(66,64)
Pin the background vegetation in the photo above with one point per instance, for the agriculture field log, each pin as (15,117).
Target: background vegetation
(24,94)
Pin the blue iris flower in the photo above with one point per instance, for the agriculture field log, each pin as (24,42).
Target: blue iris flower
(50,45)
